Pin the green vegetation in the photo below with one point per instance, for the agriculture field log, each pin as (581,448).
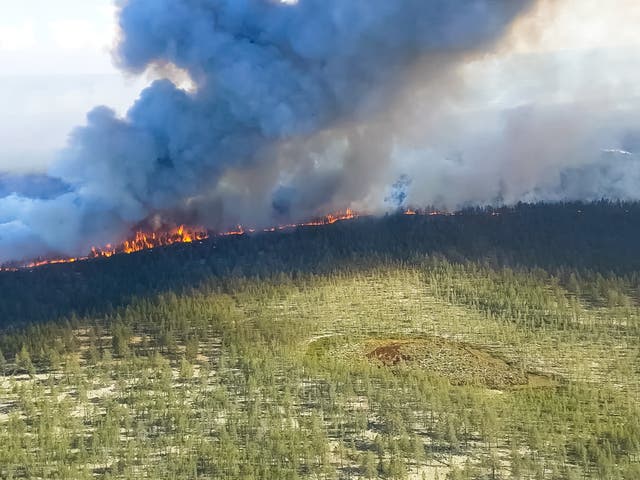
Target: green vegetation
(426,366)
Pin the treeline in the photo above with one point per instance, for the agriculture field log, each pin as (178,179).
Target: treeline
(581,238)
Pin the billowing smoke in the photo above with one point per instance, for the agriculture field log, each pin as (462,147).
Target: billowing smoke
(552,114)
(279,89)
(284,110)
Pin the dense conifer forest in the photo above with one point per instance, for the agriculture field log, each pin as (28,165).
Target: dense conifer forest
(490,344)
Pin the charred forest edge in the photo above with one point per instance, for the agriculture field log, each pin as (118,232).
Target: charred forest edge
(597,237)
(147,238)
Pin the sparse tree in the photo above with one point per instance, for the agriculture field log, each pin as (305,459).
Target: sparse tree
(369,465)
(3,363)
(23,361)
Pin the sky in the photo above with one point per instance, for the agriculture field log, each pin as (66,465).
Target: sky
(55,65)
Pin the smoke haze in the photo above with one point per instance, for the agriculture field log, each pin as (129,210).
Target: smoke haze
(279,111)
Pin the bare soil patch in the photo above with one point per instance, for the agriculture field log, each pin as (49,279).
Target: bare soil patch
(459,363)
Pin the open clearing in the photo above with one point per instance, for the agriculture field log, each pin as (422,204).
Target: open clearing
(391,372)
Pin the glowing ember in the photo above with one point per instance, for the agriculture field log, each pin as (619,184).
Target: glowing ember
(330,219)
(238,231)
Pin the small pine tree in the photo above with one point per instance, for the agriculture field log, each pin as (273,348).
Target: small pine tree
(120,340)
(186,369)
(369,465)
(191,349)
(3,363)
(23,361)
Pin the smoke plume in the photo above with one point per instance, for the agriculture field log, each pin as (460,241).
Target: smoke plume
(275,110)
(271,81)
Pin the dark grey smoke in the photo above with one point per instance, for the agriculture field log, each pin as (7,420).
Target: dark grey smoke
(270,79)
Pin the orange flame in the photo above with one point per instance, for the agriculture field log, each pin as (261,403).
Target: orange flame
(140,241)
(148,240)
(183,234)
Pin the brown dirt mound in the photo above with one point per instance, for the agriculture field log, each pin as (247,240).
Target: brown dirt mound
(389,354)
(461,364)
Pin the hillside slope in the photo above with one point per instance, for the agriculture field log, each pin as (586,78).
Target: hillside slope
(477,347)
(597,237)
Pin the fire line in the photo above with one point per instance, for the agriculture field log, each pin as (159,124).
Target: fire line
(184,234)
